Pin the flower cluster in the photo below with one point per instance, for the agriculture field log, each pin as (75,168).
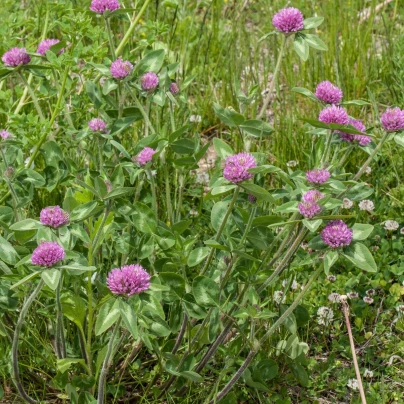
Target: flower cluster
(393,119)
(334,114)
(391,225)
(366,205)
(329,93)
(149,81)
(145,156)
(237,166)
(16,57)
(5,134)
(309,206)
(279,297)
(46,44)
(48,254)
(97,125)
(120,69)
(54,216)
(361,139)
(347,203)
(174,88)
(337,234)
(128,280)
(317,176)
(101,6)
(287,20)
(324,316)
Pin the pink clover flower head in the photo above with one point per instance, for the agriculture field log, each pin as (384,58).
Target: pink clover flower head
(393,119)
(97,125)
(312,196)
(46,44)
(361,139)
(334,114)
(121,68)
(54,216)
(317,176)
(101,6)
(128,280)
(48,254)
(174,88)
(149,81)
(288,19)
(5,134)
(329,93)
(236,167)
(337,234)
(16,57)
(145,156)
(309,209)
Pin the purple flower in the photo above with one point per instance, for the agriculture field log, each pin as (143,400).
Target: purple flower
(312,196)
(236,167)
(128,280)
(100,6)
(287,20)
(361,139)
(145,156)
(4,134)
(121,68)
(97,125)
(15,57)
(54,216)
(46,44)
(174,88)
(317,176)
(334,114)
(337,234)
(149,81)
(252,199)
(329,93)
(309,209)
(48,254)
(393,119)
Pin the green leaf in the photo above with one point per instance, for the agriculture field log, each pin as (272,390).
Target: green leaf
(329,260)
(192,308)
(312,225)
(129,318)
(51,277)
(107,316)
(305,92)
(152,62)
(205,291)
(218,213)
(301,47)
(83,211)
(74,308)
(265,370)
(315,42)
(259,192)
(193,376)
(256,128)
(216,244)
(228,115)
(175,283)
(109,85)
(359,192)
(222,189)
(287,207)
(25,279)
(144,218)
(27,224)
(399,139)
(116,193)
(64,364)
(266,220)
(122,123)
(197,256)
(355,102)
(77,269)
(312,22)
(94,93)
(300,373)
(360,256)
(222,149)
(183,146)
(7,252)
(362,231)
(267,35)
(120,148)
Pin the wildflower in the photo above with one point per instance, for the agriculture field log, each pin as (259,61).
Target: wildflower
(202,178)
(288,19)
(317,176)
(367,374)
(366,205)
(128,280)
(120,68)
(337,234)
(46,44)
(149,81)
(15,57)
(48,254)
(352,384)
(195,118)
(9,172)
(145,156)
(324,316)
(370,292)
(97,125)
(361,139)
(374,248)
(343,298)
(402,230)
(292,163)
(368,170)
(331,278)
(347,203)
(309,209)
(193,212)
(5,134)
(279,297)
(54,216)
(293,286)
(352,295)
(368,300)
(391,225)
(400,310)
(334,114)
(100,6)
(237,166)
(393,119)
(334,297)
(329,93)
(252,199)
(174,88)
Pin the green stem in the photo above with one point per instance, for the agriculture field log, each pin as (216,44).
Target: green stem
(220,230)
(153,190)
(33,96)
(168,195)
(181,181)
(327,148)
(110,39)
(345,156)
(100,152)
(274,78)
(60,336)
(17,332)
(107,363)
